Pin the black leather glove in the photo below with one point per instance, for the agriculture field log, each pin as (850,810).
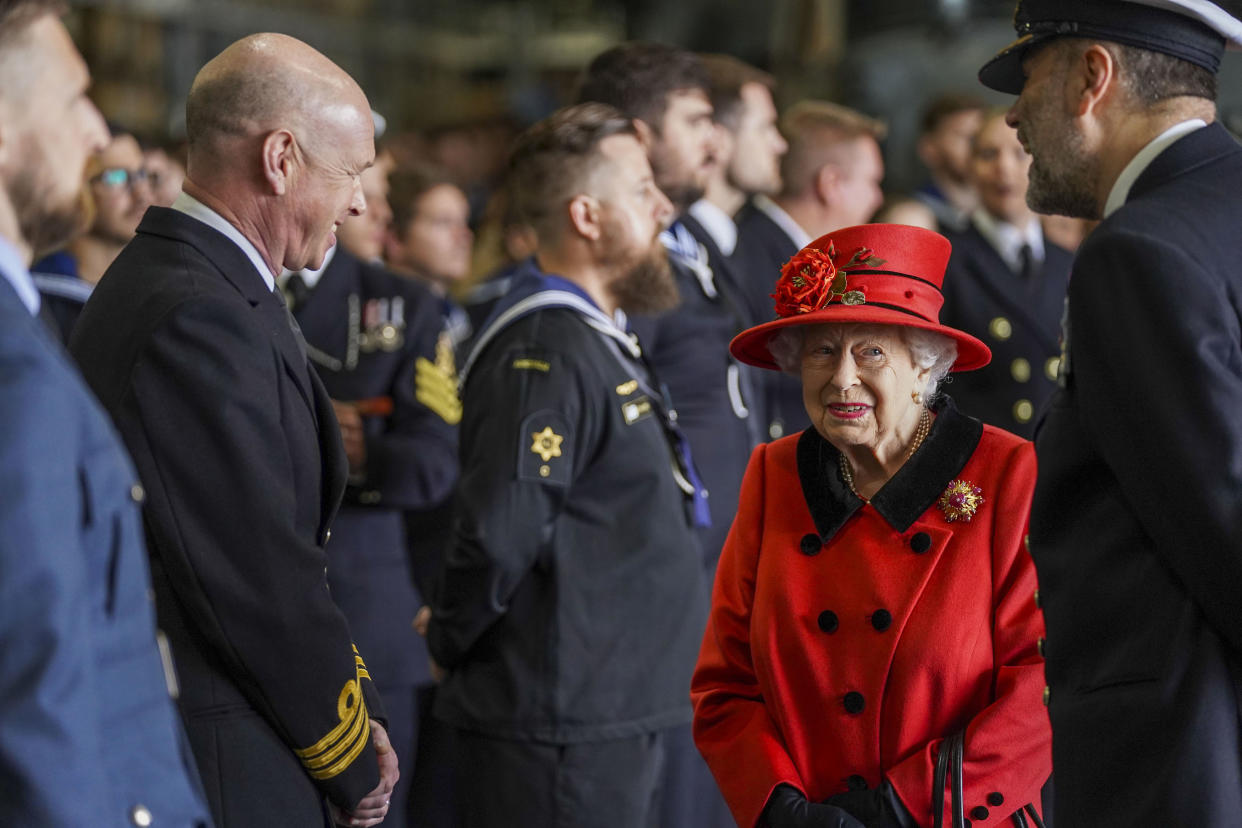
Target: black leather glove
(876,808)
(788,808)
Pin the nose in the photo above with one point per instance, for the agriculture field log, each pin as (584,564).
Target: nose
(96,129)
(844,373)
(358,204)
(1011,115)
(663,209)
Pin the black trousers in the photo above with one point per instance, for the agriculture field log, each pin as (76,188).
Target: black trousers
(613,784)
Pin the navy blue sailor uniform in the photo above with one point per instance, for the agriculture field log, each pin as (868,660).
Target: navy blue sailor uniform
(572,599)
(1018,315)
(377,342)
(688,349)
(62,290)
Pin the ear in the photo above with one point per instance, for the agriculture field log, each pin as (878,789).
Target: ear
(280,159)
(585,217)
(646,135)
(826,179)
(1094,77)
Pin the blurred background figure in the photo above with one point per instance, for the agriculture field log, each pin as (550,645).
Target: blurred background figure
(165,171)
(830,178)
(1066,231)
(431,239)
(504,243)
(746,157)
(1006,285)
(948,125)
(908,210)
(118,193)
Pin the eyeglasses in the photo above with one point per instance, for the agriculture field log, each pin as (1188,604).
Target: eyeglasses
(117,177)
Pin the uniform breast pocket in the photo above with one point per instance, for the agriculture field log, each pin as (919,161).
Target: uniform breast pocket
(110,523)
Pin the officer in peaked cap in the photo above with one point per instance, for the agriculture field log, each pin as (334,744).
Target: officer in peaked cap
(1136,516)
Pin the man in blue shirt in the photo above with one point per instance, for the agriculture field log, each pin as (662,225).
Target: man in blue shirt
(88,735)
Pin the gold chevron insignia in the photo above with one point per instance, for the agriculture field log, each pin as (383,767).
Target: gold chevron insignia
(341,746)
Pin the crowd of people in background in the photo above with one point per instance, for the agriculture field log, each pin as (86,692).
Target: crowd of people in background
(346,485)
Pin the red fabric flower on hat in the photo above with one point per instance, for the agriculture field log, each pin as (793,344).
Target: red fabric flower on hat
(808,282)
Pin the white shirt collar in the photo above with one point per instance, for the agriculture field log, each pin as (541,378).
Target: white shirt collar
(194,208)
(717,223)
(15,270)
(1009,239)
(311,277)
(1121,187)
(784,221)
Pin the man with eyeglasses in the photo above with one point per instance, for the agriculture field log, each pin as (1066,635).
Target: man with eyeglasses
(119,193)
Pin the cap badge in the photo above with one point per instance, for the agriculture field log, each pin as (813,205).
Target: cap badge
(960,501)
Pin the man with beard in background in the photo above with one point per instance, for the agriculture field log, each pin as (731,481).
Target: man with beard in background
(571,603)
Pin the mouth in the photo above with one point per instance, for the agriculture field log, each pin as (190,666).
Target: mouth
(848,411)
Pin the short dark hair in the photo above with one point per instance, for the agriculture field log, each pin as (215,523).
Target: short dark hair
(942,107)
(637,78)
(1151,77)
(727,75)
(552,161)
(407,184)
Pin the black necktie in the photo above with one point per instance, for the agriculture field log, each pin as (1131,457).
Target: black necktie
(293,323)
(1027,265)
(296,290)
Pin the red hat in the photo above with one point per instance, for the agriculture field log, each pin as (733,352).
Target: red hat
(876,274)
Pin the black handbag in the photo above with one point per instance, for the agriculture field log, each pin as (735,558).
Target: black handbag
(949,768)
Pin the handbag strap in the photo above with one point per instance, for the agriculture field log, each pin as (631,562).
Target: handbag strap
(949,770)
(942,771)
(958,804)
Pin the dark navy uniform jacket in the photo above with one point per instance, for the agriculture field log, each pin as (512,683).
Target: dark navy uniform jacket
(763,248)
(1019,319)
(377,340)
(1136,528)
(688,351)
(237,445)
(573,601)
(61,290)
(88,734)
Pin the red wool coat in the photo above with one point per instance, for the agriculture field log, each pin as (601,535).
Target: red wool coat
(847,640)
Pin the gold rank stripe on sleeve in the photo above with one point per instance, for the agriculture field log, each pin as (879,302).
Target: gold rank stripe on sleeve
(437,389)
(342,745)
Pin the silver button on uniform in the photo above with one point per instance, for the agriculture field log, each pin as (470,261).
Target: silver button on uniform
(140,815)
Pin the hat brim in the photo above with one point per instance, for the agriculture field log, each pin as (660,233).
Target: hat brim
(751,345)
(1004,71)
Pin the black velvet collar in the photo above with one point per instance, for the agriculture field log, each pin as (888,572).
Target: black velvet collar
(911,492)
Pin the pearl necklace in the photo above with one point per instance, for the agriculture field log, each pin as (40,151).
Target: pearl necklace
(920,434)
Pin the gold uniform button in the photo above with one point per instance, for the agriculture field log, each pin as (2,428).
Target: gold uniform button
(137,493)
(1037,599)
(1020,369)
(1052,368)
(1026,541)
(1039,645)
(140,815)
(1023,411)
(369,498)
(1047,695)
(327,536)
(1000,328)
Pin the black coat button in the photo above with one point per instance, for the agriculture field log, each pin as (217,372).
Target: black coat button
(881,620)
(979,812)
(854,702)
(856,782)
(966,823)
(996,799)
(920,543)
(811,544)
(828,621)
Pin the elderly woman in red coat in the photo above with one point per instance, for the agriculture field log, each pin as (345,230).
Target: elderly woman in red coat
(875,602)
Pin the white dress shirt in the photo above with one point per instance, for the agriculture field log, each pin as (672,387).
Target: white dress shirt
(196,209)
(15,270)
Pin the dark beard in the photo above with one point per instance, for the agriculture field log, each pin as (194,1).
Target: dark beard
(1068,190)
(44,226)
(648,286)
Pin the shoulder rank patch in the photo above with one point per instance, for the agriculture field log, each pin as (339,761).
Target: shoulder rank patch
(435,383)
(545,448)
(531,365)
